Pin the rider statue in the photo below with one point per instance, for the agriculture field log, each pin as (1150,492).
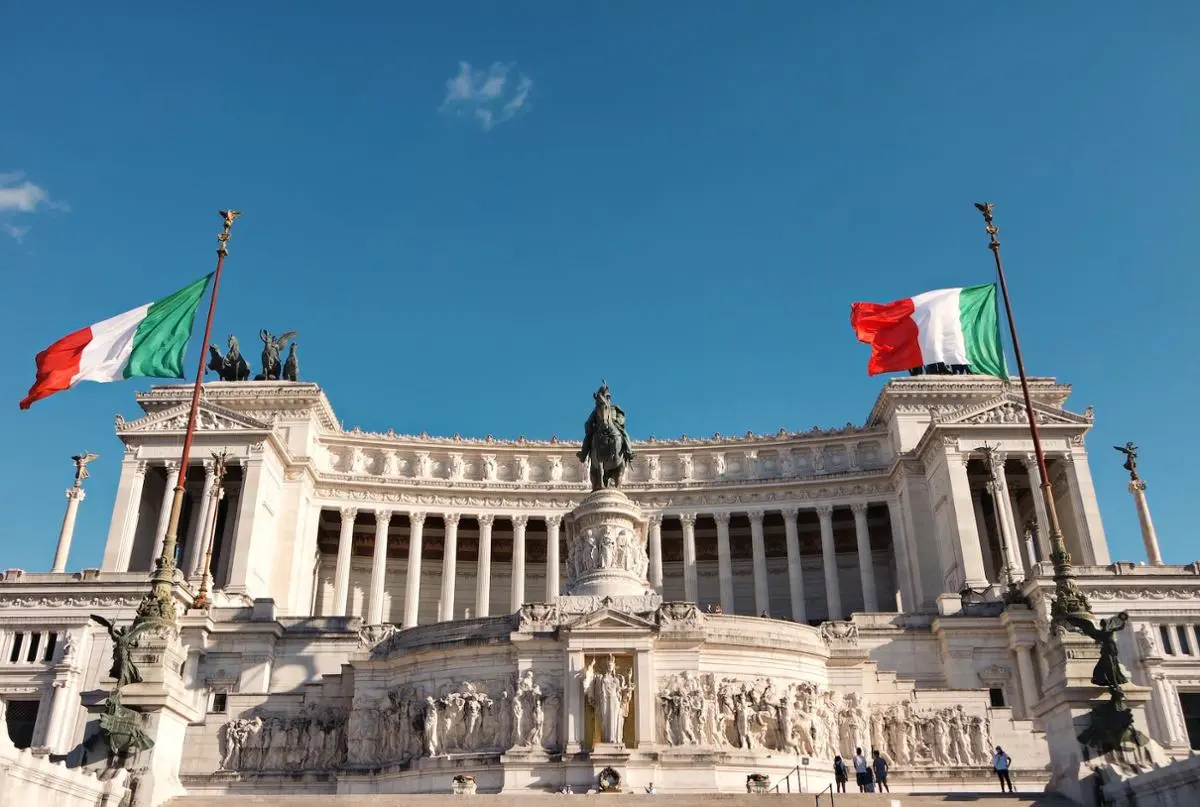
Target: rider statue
(606,445)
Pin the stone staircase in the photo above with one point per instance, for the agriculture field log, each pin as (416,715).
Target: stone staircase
(660,800)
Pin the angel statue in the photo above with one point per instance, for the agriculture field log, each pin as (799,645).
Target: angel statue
(1108,673)
(81,463)
(232,366)
(1130,451)
(123,668)
(272,369)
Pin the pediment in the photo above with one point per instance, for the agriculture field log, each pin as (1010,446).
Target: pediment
(209,417)
(607,619)
(1009,409)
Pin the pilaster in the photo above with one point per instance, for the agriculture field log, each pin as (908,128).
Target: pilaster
(126,510)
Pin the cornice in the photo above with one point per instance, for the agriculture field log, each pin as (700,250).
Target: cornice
(961,390)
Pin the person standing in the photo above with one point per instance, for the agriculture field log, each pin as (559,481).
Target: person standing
(860,770)
(1000,764)
(839,774)
(880,764)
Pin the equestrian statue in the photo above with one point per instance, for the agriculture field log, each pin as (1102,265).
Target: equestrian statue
(606,445)
(232,366)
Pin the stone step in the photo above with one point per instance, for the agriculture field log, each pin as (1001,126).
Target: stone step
(659,800)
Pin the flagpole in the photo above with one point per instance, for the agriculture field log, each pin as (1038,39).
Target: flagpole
(1068,599)
(159,605)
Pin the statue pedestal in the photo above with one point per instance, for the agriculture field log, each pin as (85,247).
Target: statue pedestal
(168,708)
(1067,709)
(606,547)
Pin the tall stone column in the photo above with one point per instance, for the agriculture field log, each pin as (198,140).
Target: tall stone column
(762,597)
(553,588)
(643,679)
(126,513)
(689,556)
(998,488)
(795,565)
(208,531)
(985,535)
(164,512)
(412,580)
(724,562)
(866,560)
(194,546)
(573,713)
(1149,537)
(59,706)
(483,577)
(516,595)
(383,519)
(341,573)
(655,548)
(1041,532)
(963,532)
(449,566)
(833,589)
(75,495)
(908,584)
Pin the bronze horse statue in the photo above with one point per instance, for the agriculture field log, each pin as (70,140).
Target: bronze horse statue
(606,445)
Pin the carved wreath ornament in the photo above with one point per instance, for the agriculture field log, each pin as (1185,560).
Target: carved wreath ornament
(609,780)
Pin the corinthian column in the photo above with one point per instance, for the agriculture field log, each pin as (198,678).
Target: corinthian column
(656,563)
(341,573)
(552,563)
(998,487)
(833,589)
(516,595)
(379,567)
(689,556)
(1149,537)
(194,546)
(866,562)
(164,512)
(724,561)
(449,566)
(762,598)
(75,495)
(483,577)
(412,580)
(1029,460)
(795,567)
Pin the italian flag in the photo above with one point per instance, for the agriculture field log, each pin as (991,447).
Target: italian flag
(147,342)
(951,326)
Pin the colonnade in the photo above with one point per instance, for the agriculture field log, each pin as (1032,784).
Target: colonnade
(449,569)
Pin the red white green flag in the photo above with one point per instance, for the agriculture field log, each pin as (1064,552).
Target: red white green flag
(147,342)
(947,326)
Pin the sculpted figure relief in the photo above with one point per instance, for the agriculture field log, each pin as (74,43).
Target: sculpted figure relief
(315,739)
(609,692)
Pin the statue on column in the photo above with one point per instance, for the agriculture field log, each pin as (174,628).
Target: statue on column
(609,693)
(272,368)
(123,669)
(1109,672)
(606,445)
(81,463)
(1131,452)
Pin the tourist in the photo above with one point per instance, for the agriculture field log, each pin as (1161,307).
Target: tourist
(650,791)
(861,771)
(880,764)
(1000,764)
(839,774)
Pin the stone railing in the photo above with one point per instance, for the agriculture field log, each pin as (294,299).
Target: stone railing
(27,778)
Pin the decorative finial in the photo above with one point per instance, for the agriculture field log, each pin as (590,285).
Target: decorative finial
(223,236)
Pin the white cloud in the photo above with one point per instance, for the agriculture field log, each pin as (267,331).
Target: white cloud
(19,196)
(488,96)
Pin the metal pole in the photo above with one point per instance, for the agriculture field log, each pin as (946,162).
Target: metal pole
(1068,599)
(159,606)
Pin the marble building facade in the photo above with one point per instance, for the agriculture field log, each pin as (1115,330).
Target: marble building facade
(389,610)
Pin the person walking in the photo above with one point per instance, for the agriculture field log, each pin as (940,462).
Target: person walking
(839,774)
(860,770)
(1001,762)
(880,764)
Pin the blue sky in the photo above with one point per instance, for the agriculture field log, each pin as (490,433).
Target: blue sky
(683,198)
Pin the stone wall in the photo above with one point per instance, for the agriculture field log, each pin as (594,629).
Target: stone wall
(28,779)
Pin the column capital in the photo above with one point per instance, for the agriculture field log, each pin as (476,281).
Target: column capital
(655,519)
(755,516)
(520,522)
(1137,486)
(451,519)
(416,518)
(554,520)
(1029,460)
(171,466)
(858,508)
(383,516)
(78,495)
(722,519)
(687,519)
(349,512)
(789,513)
(486,520)
(824,511)
(210,468)
(1067,457)
(139,467)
